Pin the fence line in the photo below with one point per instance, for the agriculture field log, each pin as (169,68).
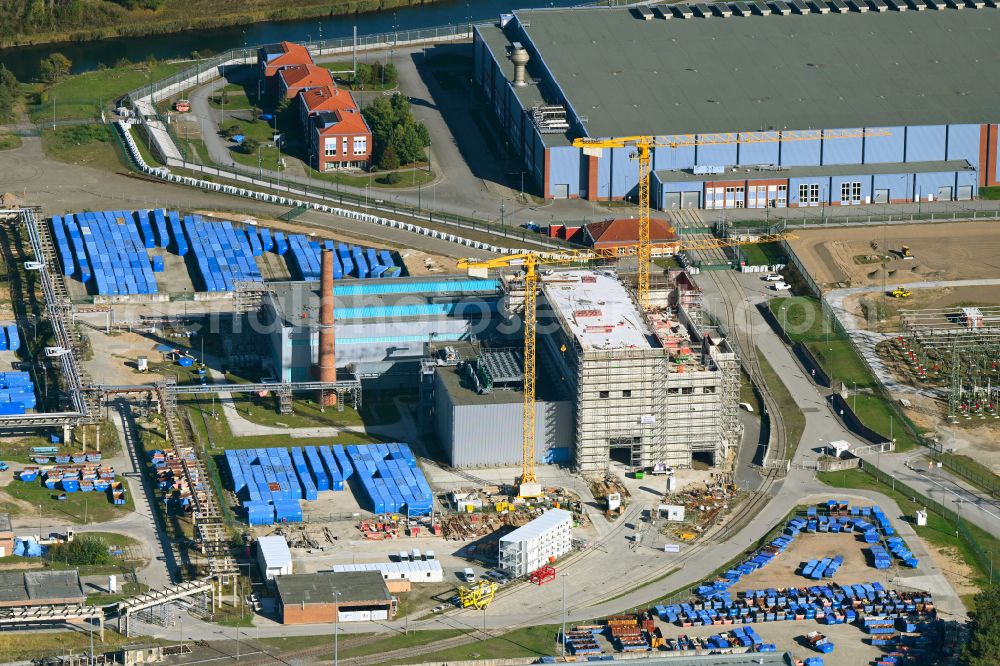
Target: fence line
(887,219)
(984,559)
(164,174)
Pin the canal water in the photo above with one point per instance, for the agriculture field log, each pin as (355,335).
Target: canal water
(23,60)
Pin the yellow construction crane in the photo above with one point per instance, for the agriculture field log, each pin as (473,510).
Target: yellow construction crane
(643,153)
(528,485)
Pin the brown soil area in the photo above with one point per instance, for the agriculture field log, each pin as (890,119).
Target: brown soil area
(952,251)
(958,573)
(782,572)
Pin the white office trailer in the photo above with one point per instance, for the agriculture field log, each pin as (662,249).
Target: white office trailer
(273,557)
(428,571)
(530,546)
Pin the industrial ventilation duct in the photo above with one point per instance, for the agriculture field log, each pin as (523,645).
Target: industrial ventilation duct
(519,56)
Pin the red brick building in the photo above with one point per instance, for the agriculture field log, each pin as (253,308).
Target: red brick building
(622,234)
(337,135)
(272,57)
(354,596)
(295,78)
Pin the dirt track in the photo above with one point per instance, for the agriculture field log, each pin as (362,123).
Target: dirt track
(952,251)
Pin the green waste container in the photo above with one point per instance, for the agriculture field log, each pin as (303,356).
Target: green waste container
(640,475)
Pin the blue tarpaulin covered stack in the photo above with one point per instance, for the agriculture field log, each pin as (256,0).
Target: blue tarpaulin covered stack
(107,247)
(17,393)
(222,253)
(279,478)
(391,478)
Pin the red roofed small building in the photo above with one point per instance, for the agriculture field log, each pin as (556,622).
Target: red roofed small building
(295,78)
(272,57)
(622,234)
(337,135)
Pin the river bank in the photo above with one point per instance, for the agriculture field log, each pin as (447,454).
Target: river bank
(181,15)
(407,15)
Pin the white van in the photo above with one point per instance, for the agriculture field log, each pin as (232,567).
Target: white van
(469,575)
(403,556)
(415,555)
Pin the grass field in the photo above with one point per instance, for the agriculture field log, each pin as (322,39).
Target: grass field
(359,645)
(764,254)
(26,645)
(938,531)
(804,321)
(795,420)
(535,641)
(79,507)
(9,141)
(82,145)
(81,97)
(141,140)
(991,193)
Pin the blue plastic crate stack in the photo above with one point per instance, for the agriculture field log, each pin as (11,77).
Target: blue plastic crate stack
(824,568)
(827,604)
(739,637)
(270,482)
(106,247)
(10,340)
(17,392)
(223,254)
(840,517)
(391,479)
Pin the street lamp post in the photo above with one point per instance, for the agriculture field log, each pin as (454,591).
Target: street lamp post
(562,638)
(855,407)
(336,628)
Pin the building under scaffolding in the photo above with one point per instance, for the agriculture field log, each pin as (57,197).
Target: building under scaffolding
(648,391)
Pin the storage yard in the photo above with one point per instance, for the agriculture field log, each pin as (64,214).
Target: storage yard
(124,253)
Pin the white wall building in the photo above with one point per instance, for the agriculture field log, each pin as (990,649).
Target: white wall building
(274,557)
(429,571)
(530,546)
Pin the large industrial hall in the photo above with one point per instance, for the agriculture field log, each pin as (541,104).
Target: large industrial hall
(751,105)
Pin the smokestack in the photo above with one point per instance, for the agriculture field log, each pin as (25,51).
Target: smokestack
(327,335)
(519,56)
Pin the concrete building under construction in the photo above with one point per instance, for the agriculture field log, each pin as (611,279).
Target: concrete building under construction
(613,384)
(648,391)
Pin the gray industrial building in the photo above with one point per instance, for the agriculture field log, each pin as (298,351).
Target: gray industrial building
(479,426)
(757,104)
(382,326)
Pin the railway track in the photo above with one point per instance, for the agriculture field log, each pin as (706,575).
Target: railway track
(740,331)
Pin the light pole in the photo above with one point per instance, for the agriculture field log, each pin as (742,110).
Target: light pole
(855,407)
(501,212)
(562,639)
(336,628)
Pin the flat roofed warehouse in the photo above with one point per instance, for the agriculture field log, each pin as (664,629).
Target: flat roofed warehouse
(913,76)
(353,595)
(838,70)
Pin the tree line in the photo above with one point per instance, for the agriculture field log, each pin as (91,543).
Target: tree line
(397,136)
(33,17)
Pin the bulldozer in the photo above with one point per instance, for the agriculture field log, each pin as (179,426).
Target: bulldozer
(900,292)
